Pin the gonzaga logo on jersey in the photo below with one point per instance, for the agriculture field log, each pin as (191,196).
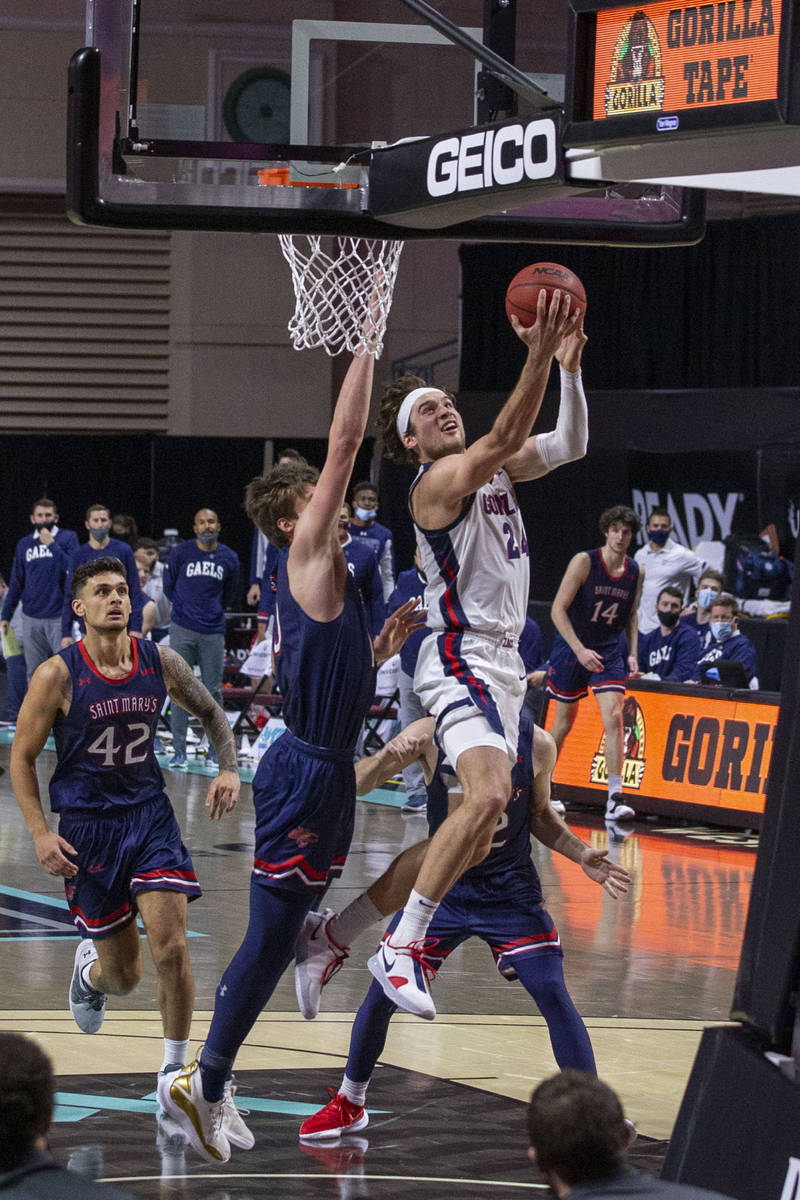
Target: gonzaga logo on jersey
(499,503)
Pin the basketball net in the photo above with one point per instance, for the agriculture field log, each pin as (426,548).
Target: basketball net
(342,298)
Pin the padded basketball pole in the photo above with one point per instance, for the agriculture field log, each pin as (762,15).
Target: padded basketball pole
(496,100)
(132,131)
(505,71)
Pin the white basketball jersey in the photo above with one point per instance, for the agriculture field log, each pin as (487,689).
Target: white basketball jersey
(478,568)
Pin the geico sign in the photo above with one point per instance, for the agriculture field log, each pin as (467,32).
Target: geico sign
(493,158)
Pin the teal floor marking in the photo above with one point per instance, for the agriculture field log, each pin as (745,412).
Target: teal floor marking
(55,902)
(391,799)
(290,1108)
(76,1106)
(87,1103)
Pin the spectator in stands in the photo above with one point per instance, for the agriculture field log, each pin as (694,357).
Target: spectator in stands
(258,552)
(27,1171)
(664,561)
(100,544)
(364,527)
(697,617)
(530,651)
(671,650)
(363,566)
(410,583)
(725,644)
(38,575)
(579,1140)
(201,579)
(151,581)
(124,527)
(166,543)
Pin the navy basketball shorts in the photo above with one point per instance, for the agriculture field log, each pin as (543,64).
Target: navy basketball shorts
(305,800)
(568,680)
(119,856)
(514,923)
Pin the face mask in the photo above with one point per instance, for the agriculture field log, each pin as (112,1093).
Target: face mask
(206,539)
(705,597)
(100,533)
(721,630)
(48,525)
(668,618)
(658,536)
(366,514)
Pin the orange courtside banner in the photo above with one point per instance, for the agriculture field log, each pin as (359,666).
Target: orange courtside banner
(671,58)
(682,752)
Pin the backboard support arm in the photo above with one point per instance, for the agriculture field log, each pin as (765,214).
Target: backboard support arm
(505,71)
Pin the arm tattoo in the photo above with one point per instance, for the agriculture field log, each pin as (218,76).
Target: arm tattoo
(187,690)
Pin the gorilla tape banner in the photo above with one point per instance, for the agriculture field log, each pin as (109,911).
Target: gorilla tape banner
(669,57)
(681,753)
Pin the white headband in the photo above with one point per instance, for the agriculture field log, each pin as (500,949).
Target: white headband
(404,413)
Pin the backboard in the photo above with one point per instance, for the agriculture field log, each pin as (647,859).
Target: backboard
(273,117)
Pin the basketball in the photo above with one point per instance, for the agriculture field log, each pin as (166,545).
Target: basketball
(523,291)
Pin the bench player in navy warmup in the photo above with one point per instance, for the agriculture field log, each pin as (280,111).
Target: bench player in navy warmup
(304,788)
(201,579)
(500,901)
(724,640)
(671,650)
(38,573)
(102,545)
(118,845)
(475,559)
(596,601)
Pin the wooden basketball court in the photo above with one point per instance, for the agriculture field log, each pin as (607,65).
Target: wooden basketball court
(447,1102)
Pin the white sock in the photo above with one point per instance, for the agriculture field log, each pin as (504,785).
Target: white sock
(353,920)
(614,785)
(174,1052)
(356,1093)
(417,916)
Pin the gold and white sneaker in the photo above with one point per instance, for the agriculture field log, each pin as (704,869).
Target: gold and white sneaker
(180,1094)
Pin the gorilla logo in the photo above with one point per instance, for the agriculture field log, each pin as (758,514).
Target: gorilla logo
(637,62)
(633,748)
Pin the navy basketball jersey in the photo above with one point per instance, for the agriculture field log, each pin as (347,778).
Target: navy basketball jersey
(325,669)
(602,604)
(105,742)
(511,844)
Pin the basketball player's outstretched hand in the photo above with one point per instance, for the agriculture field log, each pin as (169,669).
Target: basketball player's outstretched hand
(49,850)
(222,794)
(405,620)
(570,351)
(554,322)
(402,748)
(612,878)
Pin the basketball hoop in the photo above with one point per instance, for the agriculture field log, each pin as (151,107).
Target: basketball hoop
(342,298)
